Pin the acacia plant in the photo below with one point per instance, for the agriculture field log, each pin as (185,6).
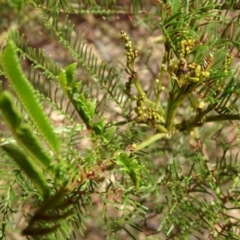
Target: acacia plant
(133,157)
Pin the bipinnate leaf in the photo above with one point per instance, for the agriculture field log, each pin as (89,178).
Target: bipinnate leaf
(30,168)
(22,132)
(26,95)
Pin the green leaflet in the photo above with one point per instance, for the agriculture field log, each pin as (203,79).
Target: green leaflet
(22,132)
(69,71)
(72,89)
(109,133)
(85,107)
(131,167)
(30,168)
(26,95)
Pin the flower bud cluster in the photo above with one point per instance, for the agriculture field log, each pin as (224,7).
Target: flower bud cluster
(130,53)
(131,56)
(227,63)
(196,73)
(186,46)
(147,114)
(189,72)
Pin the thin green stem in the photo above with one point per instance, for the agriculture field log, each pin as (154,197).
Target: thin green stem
(173,103)
(176,96)
(161,129)
(149,141)
(138,87)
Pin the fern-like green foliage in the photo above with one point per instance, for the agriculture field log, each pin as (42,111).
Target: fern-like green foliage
(148,170)
(26,95)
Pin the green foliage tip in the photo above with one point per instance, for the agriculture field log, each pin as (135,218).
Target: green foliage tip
(27,96)
(84,106)
(25,137)
(30,168)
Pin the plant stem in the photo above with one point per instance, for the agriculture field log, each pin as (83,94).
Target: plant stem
(138,87)
(196,122)
(149,141)
(173,103)
(171,111)
(217,118)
